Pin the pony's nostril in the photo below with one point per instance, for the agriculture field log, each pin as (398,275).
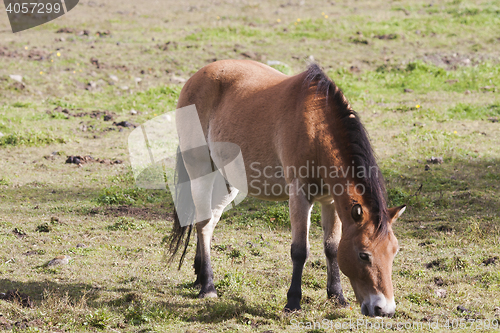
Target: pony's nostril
(364,310)
(377,310)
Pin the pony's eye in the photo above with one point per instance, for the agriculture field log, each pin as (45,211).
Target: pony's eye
(357,213)
(364,256)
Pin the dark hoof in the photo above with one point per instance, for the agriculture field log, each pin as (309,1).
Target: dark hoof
(340,301)
(197,284)
(292,308)
(210,294)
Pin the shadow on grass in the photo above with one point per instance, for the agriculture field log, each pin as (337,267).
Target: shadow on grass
(446,198)
(36,289)
(128,202)
(209,311)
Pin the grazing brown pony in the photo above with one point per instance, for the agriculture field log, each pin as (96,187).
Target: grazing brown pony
(297,133)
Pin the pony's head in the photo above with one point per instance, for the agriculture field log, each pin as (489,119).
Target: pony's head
(368,245)
(365,256)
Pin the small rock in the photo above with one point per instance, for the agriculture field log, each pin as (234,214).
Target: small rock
(435,160)
(45,227)
(432,264)
(408,90)
(438,281)
(103,33)
(497,311)
(32,253)
(137,80)
(177,79)
(441,293)
(65,31)
(114,78)
(249,54)
(132,112)
(354,69)
(73,159)
(19,233)
(125,124)
(91,85)
(427,167)
(311,59)
(81,245)
(387,37)
(18,86)
(467,92)
(59,260)
(124,87)
(17,78)
(490,261)
(488,88)
(52,155)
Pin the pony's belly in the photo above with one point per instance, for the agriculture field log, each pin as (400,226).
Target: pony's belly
(267,188)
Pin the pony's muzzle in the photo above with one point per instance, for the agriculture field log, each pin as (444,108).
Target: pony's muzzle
(378,306)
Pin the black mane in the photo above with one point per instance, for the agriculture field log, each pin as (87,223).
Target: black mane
(359,149)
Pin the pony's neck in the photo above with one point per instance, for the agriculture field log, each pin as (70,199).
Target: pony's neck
(342,175)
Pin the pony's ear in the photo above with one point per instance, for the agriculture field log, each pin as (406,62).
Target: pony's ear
(396,212)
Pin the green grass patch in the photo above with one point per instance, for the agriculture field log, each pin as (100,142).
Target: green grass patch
(115,195)
(30,138)
(127,223)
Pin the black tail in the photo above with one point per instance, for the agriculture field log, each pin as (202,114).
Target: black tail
(184,202)
(176,238)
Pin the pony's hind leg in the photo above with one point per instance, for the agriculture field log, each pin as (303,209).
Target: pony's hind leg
(204,232)
(300,211)
(332,231)
(197,264)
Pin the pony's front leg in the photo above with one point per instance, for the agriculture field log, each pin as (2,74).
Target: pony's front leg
(332,229)
(300,209)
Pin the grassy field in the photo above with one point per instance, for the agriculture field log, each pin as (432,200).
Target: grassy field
(423,75)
